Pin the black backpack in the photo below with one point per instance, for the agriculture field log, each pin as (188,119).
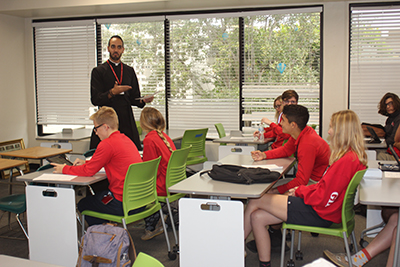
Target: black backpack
(242,175)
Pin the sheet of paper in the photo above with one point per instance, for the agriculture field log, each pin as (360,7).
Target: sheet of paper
(146,96)
(391,174)
(54,177)
(241,138)
(272,167)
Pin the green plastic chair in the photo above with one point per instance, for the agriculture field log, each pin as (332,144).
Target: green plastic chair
(14,204)
(197,139)
(144,260)
(221,131)
(139,128)
(139,191)
(343,229)
(89,153)
(176,172)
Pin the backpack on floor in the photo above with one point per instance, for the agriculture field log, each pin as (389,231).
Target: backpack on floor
(106,245)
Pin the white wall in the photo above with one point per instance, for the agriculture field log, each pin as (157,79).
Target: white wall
(13,98)
(17,101)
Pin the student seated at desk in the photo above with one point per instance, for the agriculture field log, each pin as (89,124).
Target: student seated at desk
(289,97)
(115,153)
(390,106)
(384,240)
(155,144)
(311,151)
(317,204)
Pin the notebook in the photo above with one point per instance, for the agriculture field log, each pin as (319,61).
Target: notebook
(391,167)
(374,137)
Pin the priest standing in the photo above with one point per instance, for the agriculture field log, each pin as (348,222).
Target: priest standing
(114,84)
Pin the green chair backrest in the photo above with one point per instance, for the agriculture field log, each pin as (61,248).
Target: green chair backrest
(140,185)
(176,169)
(197,139)
(348,202)
(144,260)
(220,130)
(139,128)
(89,153)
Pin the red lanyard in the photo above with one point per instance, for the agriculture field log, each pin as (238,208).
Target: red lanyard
(116,77)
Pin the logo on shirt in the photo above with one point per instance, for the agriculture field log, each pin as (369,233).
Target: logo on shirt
(332,199)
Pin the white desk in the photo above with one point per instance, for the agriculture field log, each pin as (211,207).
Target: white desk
(8,261)
(51,213)
(383,192)
(242,140)
(204,185)
(76,135)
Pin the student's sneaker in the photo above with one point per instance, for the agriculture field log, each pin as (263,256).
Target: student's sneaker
(150,234)
(340,259)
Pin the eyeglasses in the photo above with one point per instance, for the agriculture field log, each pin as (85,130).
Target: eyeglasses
(390,104)
(292,102)
(277,106)
(95,128)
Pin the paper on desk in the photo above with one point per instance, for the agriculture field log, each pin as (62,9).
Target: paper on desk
(273,167)
(241,138)
(146,97)
(54,177)
(391,174)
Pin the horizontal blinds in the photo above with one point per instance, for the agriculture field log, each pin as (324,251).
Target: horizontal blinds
(65,54)
(282,51)
(374,59)
(204,73)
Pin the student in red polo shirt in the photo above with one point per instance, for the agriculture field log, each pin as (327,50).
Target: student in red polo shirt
(155,144)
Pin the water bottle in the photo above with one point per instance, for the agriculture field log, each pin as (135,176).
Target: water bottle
(261,132)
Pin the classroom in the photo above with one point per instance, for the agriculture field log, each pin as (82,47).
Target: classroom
(18,73)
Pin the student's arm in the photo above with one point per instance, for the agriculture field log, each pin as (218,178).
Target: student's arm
(91,167)
(282,152)
(306,159)
(397,139)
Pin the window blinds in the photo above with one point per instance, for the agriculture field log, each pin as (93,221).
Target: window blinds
(65,54)
(374,58)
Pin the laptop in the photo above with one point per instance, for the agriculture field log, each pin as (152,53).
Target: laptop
(374,137)
(391,167)
(60,159)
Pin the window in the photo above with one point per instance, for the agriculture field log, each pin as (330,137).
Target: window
(374,58)
(282,51)
(65,53)
(204,68)
(204,72)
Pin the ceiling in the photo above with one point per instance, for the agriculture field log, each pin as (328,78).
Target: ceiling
(75,8)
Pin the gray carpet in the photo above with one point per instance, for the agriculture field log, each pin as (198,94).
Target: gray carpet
(312,247)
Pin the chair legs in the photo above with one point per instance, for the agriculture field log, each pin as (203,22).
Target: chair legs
(172,221)
(22,226)
(291,262)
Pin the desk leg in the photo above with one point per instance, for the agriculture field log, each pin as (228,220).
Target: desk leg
(396,251)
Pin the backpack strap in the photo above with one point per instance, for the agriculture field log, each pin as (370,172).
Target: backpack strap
(132,250)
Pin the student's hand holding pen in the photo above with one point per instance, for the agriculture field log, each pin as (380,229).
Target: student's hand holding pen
(79,161)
